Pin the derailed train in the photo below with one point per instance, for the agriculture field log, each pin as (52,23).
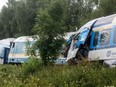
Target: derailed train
(96,40)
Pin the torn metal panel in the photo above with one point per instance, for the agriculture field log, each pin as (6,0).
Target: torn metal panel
(82,37)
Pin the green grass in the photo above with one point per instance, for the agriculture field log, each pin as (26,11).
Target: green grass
(34,74)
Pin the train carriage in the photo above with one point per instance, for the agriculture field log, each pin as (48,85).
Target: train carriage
(18,52)
(96,40)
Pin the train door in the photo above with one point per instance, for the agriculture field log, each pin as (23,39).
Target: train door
(94,45)
(6,53)
(102,43)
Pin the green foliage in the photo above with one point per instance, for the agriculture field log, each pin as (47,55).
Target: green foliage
(31,66)
(25,14)
(18,17)
(50,28)
(53,18)
(108,7)
(82,75)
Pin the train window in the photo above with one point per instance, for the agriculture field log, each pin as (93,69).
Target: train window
(115,35)
(105,37)
(95,38)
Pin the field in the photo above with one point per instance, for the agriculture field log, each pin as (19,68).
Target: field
(34,74)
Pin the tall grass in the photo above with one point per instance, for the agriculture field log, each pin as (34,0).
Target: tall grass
(34,74)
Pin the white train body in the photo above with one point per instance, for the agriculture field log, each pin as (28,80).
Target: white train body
(18,51)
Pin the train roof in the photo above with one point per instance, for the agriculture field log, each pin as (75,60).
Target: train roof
(100,22)
(25,38)
(105,20)
(6,42)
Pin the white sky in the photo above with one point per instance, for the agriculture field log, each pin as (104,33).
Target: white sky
(2,2)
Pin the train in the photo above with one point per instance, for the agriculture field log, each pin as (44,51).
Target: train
(96,40)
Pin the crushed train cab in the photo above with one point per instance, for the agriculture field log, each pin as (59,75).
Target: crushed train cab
(95,40)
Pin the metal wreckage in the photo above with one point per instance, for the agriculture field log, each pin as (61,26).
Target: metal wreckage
(96,40)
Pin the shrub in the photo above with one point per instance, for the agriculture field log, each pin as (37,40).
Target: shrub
(31,66)
(34,73)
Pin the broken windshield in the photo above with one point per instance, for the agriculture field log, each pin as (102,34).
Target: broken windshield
(82,37)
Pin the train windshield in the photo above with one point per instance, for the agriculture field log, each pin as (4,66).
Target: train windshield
(20,47)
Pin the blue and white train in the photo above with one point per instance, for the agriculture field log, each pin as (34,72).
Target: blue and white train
(95,40)
(18,51)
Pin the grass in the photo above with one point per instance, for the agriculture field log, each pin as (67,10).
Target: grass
(34,74)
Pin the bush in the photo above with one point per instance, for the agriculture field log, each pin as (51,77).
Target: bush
(31,66)
(35,74)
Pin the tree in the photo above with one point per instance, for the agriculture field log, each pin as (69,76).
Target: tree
(78,12)
(50,28)
(18,18)
(25,13)
(8,21)
(107,7)
(1,29)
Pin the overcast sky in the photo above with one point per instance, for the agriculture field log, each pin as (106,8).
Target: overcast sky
(2,2)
